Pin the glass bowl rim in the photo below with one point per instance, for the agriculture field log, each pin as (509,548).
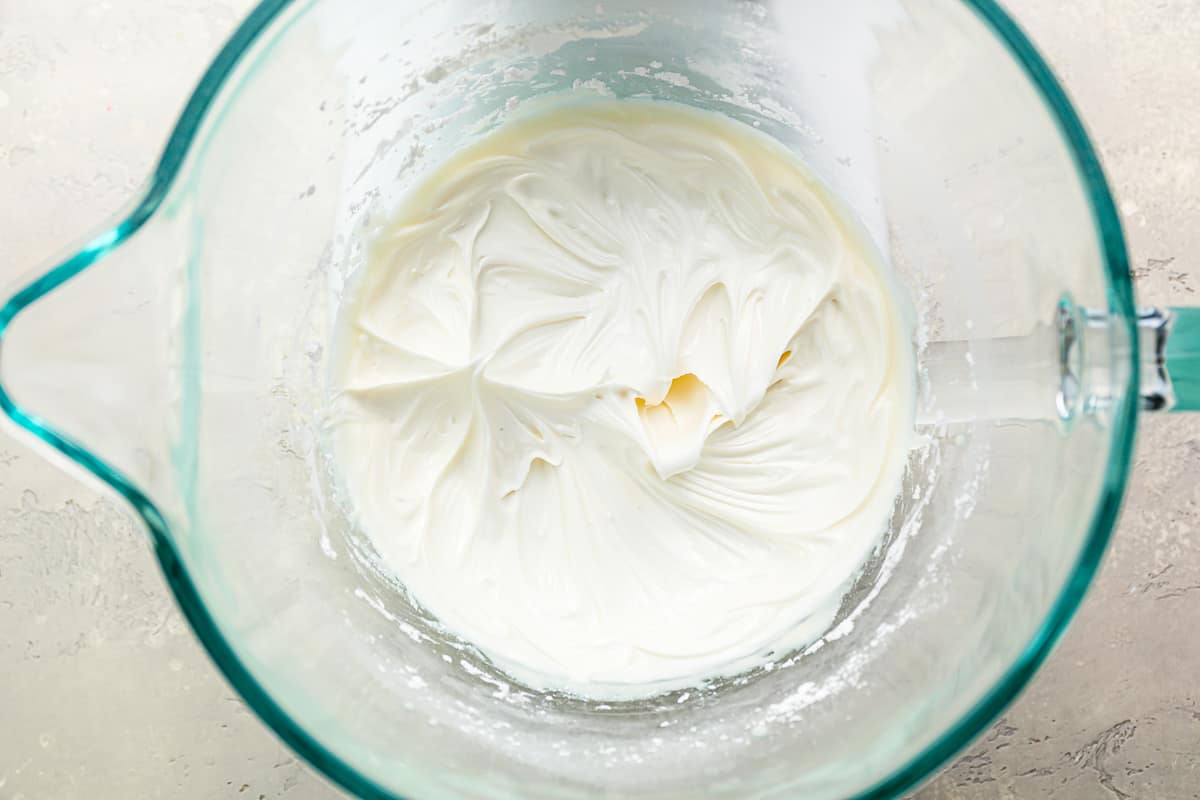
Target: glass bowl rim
(183,137)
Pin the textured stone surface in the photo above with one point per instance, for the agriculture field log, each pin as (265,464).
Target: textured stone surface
(103,692)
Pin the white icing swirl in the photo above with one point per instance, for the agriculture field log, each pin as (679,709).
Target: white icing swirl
(623,400)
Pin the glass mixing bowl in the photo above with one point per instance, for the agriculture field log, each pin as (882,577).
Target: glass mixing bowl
(180,356)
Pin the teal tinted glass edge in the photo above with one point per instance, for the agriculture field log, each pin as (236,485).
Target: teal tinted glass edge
(166,171)
(178,145)
(1124,423)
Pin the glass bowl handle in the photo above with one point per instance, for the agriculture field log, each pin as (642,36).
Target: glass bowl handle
(1069,368)
(1170,349)
(1090,348)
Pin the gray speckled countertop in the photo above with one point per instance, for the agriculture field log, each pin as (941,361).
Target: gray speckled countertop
(104,693)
